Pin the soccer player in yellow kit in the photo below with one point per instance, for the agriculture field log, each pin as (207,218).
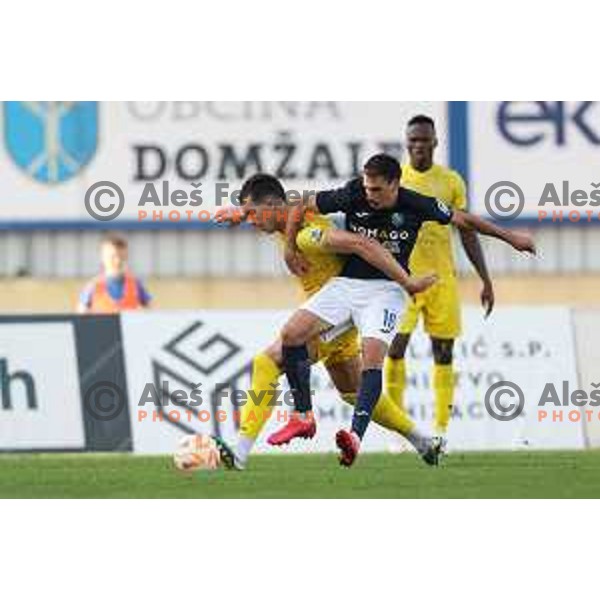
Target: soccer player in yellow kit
(321,244)
(440,305)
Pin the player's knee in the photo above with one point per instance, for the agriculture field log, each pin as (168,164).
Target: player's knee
(291,335)
(274,353)
(397,348)
(345,375)
(373,353)
(442,351)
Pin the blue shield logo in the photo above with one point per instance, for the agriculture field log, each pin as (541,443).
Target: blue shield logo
(51,141)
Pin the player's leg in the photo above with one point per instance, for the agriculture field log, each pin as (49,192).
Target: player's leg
(302,326)
(345,375)
(255,412)
(295,358)
(442,321)
(394,372)
(373,352)
(341,357)
(395,364)
(376,306)
(443,386)
(328,307)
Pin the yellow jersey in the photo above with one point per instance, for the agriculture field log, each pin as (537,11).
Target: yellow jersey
(433,251)
(323,264)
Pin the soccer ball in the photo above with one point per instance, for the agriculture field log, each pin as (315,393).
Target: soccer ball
(196,453)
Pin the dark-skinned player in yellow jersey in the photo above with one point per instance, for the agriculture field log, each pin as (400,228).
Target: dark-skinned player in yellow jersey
(440,307)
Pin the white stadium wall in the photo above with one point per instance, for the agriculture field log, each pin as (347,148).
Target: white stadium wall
(120,372)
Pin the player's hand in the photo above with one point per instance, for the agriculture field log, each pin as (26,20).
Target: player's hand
(229,216)
(523,242)
(416,285)
(295,261)
(487,298)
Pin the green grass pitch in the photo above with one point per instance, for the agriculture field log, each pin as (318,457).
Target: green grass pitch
(471,475)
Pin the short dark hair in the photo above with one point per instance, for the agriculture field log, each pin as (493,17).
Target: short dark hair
(261,186)
(383,165)
(422,120)
(115,240)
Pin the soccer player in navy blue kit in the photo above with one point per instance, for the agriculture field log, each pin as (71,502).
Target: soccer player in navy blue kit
(377,207)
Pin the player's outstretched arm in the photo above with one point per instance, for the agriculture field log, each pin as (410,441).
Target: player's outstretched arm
(474,251)
(345,242)
(518,240)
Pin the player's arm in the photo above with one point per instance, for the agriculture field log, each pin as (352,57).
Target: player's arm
(370,250)
(298,212)
(474,251)
(472,245)
(522,242)
(432,209)
(324,202)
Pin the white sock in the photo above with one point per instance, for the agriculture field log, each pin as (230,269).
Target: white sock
(419,440)
(243,448)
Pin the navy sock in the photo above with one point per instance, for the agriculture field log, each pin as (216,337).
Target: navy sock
(368,395)
(296,366)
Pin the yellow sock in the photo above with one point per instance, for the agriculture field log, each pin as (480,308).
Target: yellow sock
(443,387)
(394,377)
(256,411)
(388,414)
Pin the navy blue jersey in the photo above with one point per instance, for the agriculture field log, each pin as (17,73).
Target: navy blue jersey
(396,228)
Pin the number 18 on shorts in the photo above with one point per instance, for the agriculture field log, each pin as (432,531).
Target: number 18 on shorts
(373,305)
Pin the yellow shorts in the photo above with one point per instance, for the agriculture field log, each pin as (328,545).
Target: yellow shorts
(440,307)
(340,349)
